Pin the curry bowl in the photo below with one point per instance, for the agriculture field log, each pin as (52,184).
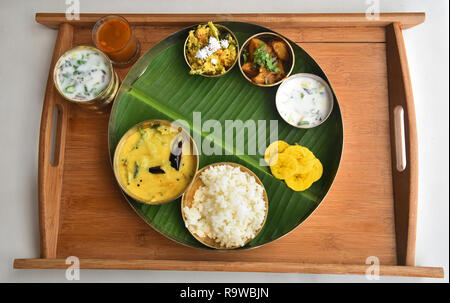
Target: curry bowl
(266,59)
(155,161)
(208,56)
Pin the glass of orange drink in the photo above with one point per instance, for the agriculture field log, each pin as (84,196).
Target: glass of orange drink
(113,35)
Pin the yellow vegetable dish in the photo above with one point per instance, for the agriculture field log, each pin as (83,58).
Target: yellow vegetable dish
(210,50)
(294,164)
(156,163)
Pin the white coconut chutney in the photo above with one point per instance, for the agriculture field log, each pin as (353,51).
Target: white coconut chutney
(304,100)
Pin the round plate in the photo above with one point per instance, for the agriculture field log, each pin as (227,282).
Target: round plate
(159,86)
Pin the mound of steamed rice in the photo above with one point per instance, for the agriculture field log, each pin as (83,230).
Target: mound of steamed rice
(229,208)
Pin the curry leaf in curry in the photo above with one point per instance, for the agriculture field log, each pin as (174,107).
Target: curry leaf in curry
(141,131)
(156,170)
(136,170)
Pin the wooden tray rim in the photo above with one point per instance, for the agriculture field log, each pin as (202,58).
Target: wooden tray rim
(406,20)
(393,22)
(235,266)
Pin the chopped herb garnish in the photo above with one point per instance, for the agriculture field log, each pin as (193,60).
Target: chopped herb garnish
(307,90)
(70,89)
(263,58)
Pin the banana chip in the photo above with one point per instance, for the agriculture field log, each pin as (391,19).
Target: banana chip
(299,182)
(283,165)
(273,149)
(295,164)
(304,157)
(317,170)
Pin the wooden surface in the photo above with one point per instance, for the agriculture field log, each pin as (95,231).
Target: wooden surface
(236,266)
(405,182)
(356,220)
(51,170)
(406,20)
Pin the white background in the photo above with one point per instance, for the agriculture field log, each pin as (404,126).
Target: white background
(26,49)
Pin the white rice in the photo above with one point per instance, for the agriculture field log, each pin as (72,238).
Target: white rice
(229,208)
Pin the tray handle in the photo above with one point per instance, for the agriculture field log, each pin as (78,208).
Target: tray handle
(403,145)
(399,137)
(51,151)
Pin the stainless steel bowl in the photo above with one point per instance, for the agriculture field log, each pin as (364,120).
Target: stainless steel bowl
(188,198)
(221,28)
(312,76)
(105,97)
(267,36)
(133,130)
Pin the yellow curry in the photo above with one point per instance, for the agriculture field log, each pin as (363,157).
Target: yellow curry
(157,163)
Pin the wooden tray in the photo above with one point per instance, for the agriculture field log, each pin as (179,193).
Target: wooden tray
(370,211)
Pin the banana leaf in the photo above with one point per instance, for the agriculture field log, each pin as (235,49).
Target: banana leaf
(160,87)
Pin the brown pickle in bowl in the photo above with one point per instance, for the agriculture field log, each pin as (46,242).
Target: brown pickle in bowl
(155,161)
(266,59)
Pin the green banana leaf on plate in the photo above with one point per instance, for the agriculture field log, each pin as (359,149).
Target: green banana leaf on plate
(159,87)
